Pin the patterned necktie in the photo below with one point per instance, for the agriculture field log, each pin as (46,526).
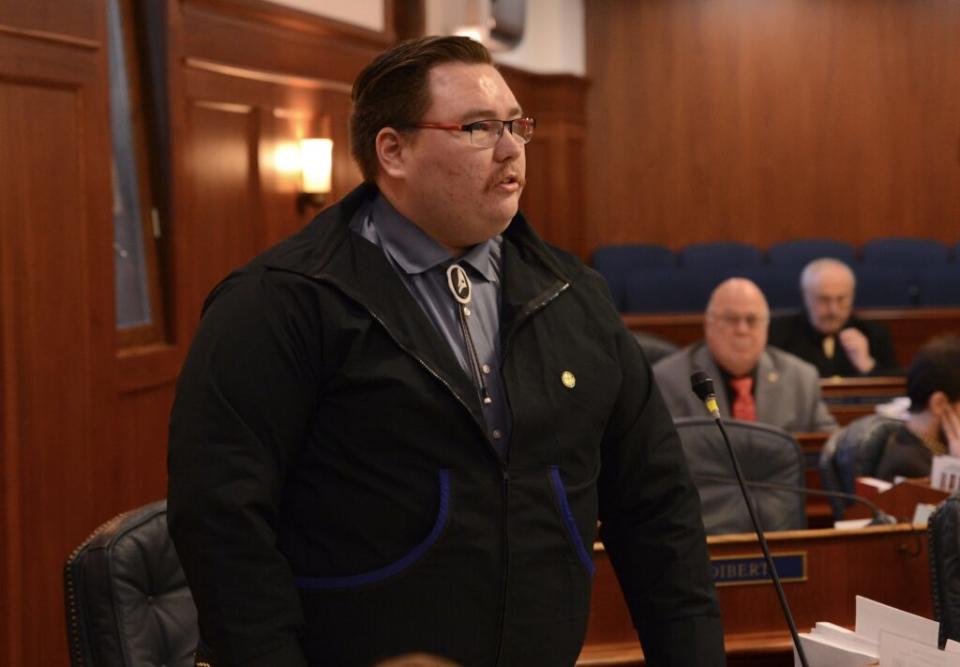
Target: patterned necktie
(744,406)
(829,346)
(462,291)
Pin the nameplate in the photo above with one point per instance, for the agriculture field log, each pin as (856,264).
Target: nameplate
(752,569)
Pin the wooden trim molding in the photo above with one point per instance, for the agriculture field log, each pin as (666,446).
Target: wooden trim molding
(257,11)
(267,77)
(52,37)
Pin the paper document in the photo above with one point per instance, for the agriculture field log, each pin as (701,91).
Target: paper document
(897,651)
(875,617)
(821,652)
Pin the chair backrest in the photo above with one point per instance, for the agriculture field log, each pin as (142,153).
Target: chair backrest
(940,285)
(614,262)
(127,599)
(853,451)
(943,529)
(779,284)
(765,453)
(883,287)
(654,347)
(719,254)
(798,253)
(905,252)
(672,290)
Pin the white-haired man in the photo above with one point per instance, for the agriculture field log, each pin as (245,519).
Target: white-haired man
(826,333)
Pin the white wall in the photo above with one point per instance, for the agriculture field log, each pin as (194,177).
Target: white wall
(364,13)
(553,39)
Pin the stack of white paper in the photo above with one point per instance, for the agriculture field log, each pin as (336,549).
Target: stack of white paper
(945,473)
(884,635)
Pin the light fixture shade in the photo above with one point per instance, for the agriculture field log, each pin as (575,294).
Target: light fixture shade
(316,164)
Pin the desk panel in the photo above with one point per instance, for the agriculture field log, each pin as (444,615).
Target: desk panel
(885,563)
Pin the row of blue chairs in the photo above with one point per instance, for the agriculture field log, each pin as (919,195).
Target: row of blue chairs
(675,289)
(893,251)
(891,272)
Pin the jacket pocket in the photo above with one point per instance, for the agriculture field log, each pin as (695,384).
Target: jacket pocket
(569,523)
(396,567)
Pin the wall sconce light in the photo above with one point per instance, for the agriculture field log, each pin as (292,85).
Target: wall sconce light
(316,164)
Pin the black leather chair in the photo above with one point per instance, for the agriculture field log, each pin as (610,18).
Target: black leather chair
(853,451)
(943,529)
(127,599)
(654,347)
(766,454)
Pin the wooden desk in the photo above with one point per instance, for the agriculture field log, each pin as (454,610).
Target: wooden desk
(885,563)
(909,327)
(900,501)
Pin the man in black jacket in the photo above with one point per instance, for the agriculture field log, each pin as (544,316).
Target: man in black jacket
(395,431)
(826,333)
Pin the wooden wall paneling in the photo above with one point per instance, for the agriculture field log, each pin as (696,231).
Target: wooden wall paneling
(224,224)
(141,436)
(232,33)
(57,316)
(763,122)
(77,23)
(554,198)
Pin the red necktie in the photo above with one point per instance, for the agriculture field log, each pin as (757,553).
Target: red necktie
(743,405)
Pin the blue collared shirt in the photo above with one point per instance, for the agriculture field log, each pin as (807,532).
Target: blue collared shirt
(422,265)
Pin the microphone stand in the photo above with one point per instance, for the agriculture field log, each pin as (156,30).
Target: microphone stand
(702,386)
(763,545)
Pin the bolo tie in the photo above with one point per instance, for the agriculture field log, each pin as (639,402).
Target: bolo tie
(462,291)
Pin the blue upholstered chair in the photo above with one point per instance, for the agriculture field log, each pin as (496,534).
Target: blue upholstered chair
(719,254)
(904,252)
(779,284)
(799,252)
(614,262)
(673,290)
(940,285)
(885,287)
(766,454)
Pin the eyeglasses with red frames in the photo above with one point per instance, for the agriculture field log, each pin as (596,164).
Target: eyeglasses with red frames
(486,133)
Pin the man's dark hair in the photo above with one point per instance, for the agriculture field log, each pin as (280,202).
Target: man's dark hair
(393,90)
(936,367)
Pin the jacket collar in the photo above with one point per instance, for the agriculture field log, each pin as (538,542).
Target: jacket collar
(327,250)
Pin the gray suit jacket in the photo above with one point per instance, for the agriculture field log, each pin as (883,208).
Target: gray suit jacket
(787,392)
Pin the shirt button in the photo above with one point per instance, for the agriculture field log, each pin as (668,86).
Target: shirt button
(486,369)
(497,434)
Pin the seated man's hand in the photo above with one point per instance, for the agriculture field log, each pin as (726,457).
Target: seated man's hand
(857,348)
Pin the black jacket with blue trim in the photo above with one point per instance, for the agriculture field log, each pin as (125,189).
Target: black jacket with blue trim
(334,499)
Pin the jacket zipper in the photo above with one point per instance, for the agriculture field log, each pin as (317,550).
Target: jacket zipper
(528,311)
(525,314)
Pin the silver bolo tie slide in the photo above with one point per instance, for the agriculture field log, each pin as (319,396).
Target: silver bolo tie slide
(462,290)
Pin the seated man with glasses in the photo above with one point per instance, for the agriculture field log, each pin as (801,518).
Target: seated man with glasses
(755,382)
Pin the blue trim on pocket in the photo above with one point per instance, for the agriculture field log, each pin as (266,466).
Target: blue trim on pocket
(374,576)
(568,521)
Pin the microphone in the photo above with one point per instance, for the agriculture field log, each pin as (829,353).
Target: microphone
(880,518)
(702,386)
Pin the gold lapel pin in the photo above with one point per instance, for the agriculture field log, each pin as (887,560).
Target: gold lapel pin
(568,379)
